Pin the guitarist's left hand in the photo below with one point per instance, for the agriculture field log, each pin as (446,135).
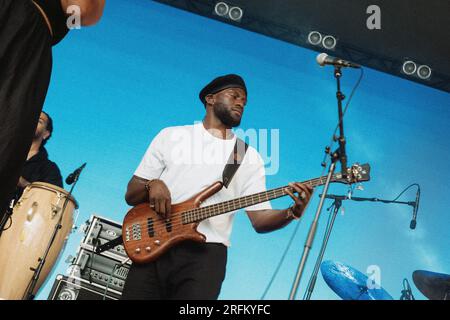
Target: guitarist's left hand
(302,198)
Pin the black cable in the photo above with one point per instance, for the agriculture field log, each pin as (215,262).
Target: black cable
(95,242)
(411,185)
(330,216)
(109,280)
(333,140)
(117,266)
(277,269)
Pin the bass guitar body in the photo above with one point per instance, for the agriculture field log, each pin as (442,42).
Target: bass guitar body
(146,235)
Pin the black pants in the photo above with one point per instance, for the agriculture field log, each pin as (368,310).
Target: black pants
(188,271)
(25,68)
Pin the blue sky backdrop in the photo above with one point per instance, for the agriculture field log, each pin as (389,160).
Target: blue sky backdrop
(116,85)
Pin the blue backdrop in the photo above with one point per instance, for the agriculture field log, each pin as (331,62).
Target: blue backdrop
(114,86)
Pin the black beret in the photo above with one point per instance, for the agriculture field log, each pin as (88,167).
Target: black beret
(222,83)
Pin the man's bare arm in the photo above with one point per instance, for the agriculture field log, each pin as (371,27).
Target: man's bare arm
(158,195)
(136,191)
(270,220)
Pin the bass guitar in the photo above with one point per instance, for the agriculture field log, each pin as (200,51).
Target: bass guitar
(146,235)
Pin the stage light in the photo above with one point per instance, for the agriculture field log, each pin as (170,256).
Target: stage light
(314,38)
(221,9)
(228,11)
(236,13)
(416,70)
(329,42)
(424,72)
(409,67)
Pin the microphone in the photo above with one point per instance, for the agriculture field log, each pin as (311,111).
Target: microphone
(323,59)
(74,175)
(413,223)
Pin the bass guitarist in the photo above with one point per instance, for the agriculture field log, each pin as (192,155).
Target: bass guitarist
(182,161)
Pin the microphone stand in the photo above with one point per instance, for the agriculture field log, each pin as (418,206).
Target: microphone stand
(332,196)
(340,97)
(338,155)
(29,295)
(311,234)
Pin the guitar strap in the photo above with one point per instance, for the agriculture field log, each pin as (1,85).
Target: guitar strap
(234,161)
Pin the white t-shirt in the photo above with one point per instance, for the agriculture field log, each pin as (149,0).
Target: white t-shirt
(189,159)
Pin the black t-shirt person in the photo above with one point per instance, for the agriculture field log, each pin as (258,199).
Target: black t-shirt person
(40,168)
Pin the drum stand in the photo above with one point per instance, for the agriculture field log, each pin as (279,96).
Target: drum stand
(407,292)
(312,281)
(37,271)
(6,216)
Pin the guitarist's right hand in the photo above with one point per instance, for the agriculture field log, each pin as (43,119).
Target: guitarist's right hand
(159,198)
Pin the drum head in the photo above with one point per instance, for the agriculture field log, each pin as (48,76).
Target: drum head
(52,187)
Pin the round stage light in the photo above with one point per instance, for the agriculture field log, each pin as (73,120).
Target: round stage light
(424,72)
(314,38)
(329,42)
(221,9)
(67,294)
(409,67)
(235,13)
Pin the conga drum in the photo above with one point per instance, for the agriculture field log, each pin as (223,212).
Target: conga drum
(34,218)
